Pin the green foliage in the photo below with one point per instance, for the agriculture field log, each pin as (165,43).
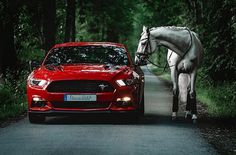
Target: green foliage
(26,39)
(12,95)
(98,21)
(219,30)
(60,20)
(220,98)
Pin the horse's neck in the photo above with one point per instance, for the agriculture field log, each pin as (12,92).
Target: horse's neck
(176,40)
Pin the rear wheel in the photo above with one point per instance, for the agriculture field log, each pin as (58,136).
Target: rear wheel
(36,118)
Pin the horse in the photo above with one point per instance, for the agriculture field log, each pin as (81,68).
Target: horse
(189,50)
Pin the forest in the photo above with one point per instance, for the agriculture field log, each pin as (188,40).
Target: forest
(28,29)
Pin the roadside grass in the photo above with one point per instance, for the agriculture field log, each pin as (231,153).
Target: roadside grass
(220,99)
(12,111)
(159,72)
(13,96)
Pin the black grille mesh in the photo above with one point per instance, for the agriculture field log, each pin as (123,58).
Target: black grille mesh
(82,86)
(81,105)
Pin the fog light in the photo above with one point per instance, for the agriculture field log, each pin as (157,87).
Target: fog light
(126,99)
(37,99)
(38,102)
(118,99)
(123,102)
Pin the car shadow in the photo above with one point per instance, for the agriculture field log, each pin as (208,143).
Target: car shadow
(147,119)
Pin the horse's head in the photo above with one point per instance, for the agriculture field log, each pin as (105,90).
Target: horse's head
(146,47)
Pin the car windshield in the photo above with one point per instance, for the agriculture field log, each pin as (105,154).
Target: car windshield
(87,54)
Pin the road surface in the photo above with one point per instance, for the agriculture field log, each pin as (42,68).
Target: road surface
(154,134)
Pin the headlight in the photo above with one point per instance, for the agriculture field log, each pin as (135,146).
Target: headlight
(126,82)
(37,82)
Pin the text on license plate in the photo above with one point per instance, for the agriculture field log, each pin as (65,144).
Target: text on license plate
(80,98)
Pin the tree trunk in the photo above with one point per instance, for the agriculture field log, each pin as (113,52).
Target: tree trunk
(81,11)
(70,21)
(112,34)
(8,57)
(49,24)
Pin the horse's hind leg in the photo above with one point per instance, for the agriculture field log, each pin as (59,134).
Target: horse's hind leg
(191,101)
(175,107)
(192,96)
(189,107)
(188,114)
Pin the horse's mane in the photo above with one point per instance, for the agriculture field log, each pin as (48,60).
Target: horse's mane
(175,28)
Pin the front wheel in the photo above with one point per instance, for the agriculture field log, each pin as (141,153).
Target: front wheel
(141,106)
(36,118)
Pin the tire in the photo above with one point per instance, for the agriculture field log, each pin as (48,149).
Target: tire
(141,106)
(36,118)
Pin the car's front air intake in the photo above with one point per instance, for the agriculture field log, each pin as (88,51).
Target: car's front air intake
(80,86)
(80,105)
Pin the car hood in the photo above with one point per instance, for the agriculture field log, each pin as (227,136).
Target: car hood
(83,72)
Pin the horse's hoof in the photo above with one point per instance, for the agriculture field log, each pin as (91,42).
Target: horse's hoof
(194,121)
(194,118)
(173,118)
(188,115)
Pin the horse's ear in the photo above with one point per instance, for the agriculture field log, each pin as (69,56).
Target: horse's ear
(144,28)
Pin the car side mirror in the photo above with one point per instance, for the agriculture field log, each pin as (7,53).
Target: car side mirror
(33,64)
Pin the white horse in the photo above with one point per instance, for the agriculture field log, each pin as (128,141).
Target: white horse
(188,49)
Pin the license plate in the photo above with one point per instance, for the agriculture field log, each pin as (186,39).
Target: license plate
(80,98)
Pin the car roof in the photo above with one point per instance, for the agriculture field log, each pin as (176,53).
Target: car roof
(68,44)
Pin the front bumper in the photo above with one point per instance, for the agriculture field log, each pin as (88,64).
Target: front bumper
(76,112)
(47,104)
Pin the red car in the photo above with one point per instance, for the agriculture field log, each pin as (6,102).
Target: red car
(85,77)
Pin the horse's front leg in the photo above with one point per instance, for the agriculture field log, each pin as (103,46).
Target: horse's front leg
(192,95)
(174,78)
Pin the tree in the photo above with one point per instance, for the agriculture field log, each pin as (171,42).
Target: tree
(49,25)
(8,18)
(70,21)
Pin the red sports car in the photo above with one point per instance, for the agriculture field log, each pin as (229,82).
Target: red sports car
(85,77)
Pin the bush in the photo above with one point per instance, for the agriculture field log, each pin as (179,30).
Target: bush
(13,95)
(220,98)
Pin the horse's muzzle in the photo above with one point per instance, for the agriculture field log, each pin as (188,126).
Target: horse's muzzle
(140,59)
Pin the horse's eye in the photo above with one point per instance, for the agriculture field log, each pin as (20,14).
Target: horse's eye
(143,43)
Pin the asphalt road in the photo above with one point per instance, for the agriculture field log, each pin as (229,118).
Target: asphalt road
(155,134)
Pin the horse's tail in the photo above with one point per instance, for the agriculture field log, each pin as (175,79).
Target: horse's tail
(184,83)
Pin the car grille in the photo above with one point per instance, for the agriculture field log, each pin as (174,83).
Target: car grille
(82,86)
(80,105)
